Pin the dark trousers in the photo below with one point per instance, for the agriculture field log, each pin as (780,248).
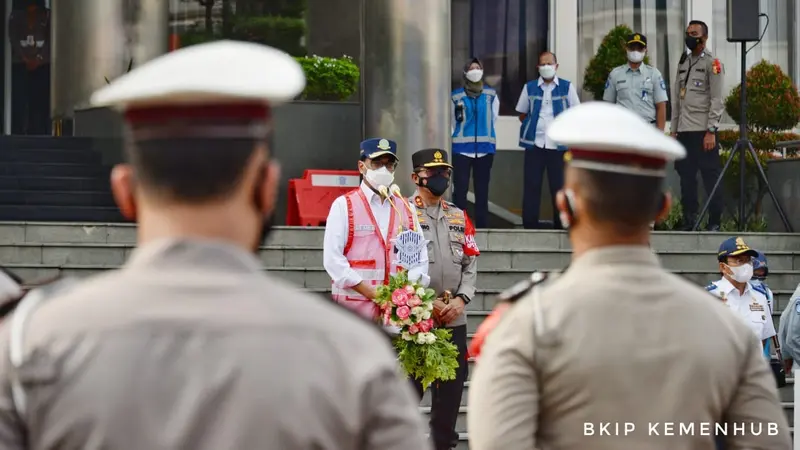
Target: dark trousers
(537,161)
(480,169)
(708,163)
(446,397)
(30,100)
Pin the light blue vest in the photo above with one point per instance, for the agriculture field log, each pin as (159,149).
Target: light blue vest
(475,132)
(560,99)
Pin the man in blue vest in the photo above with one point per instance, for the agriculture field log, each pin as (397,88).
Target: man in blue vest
(475,111)
(539,103)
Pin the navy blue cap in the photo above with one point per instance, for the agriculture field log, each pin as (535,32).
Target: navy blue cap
(373,148)
(733,247)
(760,262)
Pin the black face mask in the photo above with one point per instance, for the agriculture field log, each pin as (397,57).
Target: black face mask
(692,42)
(437,184)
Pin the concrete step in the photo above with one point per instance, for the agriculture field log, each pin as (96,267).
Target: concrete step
(488,240)
(44,183)
(280,256)
(317,278)
(45,155)
(54,169)
(42,214)
(461,423)
(44,142)
(57,198)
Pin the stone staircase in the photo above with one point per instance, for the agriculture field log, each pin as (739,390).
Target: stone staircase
(38,251)
(48,178)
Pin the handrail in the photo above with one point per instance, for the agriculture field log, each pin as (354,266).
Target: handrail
(788,144)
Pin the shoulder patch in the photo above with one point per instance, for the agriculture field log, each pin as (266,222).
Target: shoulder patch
(663,84)
(608,82)
(711,287)
(797,307)
(716,66)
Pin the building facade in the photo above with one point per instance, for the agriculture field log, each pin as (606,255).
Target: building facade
(96,40)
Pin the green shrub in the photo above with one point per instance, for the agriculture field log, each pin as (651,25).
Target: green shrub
(329,79)
(773,103)
(610,54)
(285,33)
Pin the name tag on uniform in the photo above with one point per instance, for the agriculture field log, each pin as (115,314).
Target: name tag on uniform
(756,307)
(364,228)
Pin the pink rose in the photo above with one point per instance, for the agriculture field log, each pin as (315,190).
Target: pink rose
(414,301)
(426,325)
(400,297)
(410,289)
(403,312)
(413,329)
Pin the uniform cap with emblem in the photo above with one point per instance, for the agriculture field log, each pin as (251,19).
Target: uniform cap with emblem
(430,157)
(733,247)
(637,38)
(223,89)
(607,137)
(760,262)
(374,148)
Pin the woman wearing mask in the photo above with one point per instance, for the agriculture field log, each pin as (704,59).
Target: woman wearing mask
(539,103)
(475,111)
(736,291)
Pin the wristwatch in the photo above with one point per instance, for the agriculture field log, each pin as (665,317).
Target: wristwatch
(464,297)
(712,129)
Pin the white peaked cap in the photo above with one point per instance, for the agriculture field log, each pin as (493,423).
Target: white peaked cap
(216,72)
(607,137)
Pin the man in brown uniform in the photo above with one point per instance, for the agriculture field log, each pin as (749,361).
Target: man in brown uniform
(617,353)
(191,345)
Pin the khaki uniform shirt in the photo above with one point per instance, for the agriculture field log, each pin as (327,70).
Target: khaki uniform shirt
(449,268)
(697,102)
(618,341)
(192,346)
(638,90)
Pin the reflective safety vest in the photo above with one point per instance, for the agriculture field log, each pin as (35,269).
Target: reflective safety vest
(560,99)
(474,133)
(368,253)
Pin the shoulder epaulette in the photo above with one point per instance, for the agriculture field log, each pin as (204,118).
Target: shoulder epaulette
(44,291)
(683,58)
(520,289)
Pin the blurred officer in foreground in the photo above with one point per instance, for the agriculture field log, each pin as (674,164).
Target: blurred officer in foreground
(453,270)
(789,331)
(638,86)
(616,338)
(697,107)
(191,344)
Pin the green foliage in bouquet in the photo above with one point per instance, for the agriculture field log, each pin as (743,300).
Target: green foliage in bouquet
(329,79)
(610,54)
(773,103)
(420,359)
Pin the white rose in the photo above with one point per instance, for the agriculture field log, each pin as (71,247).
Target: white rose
(408,321)
(426,316)
(420,292)
(430,338)
(421,338)
(418,311)
(406,336)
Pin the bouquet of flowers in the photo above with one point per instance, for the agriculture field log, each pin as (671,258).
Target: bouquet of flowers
(425,353)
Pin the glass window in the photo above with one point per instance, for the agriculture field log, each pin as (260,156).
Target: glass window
(662,21)
(507,36)
(774,47)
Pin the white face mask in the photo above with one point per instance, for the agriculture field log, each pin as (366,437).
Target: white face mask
(756,282)
(380,177)
(742,273)
(635,57)
(547,71)
(475,75)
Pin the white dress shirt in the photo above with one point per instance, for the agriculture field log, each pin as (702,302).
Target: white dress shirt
(333,257)
(495,115)
(546,112)
(750,306)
